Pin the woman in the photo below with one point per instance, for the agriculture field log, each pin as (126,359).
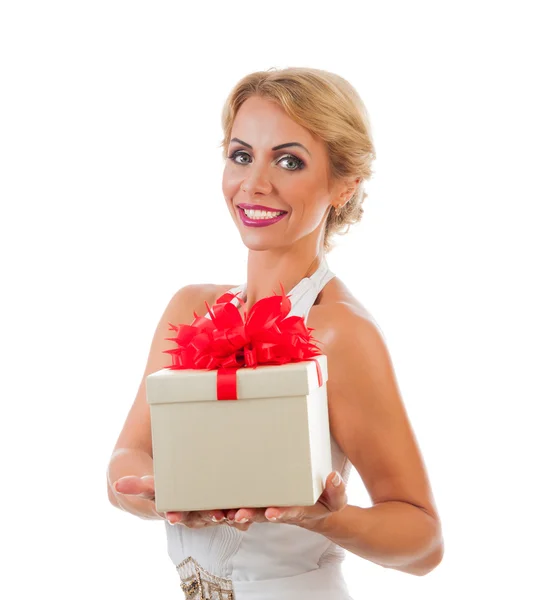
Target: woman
(298,148)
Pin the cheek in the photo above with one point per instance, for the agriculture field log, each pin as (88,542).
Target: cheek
(302,192)
(291,188)
(230,182)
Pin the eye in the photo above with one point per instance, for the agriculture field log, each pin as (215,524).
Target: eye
(238,153)
(294,159)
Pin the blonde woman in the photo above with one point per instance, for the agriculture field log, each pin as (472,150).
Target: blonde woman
(297,148)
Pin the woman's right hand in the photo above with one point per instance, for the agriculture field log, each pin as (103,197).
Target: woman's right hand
(144,487)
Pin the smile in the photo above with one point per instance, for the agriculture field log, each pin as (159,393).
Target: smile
(260,218)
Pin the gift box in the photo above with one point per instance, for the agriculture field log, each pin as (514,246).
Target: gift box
(269,447)
(240,418)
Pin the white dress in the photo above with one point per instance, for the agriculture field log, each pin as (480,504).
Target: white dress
(269,561)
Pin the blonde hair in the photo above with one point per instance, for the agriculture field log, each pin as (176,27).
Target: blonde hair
(329,107)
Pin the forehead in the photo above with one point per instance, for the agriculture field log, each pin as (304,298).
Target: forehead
(262,121)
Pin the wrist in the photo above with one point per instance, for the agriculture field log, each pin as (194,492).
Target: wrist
(321,525)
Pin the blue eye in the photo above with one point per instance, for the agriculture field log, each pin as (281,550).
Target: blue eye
(287,157)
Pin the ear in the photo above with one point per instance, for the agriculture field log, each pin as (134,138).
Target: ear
(348,188)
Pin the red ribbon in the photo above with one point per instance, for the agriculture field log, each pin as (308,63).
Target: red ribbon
(226,382)
(228,342)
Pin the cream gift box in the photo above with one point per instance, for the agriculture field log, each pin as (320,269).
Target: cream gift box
(270,447)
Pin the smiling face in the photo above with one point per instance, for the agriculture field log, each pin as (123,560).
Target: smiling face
(259,172)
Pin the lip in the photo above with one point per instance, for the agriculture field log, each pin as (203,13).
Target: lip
(258,222)
(258,207)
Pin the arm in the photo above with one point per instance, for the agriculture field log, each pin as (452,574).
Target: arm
(394,535)
(132,454)
(369,422)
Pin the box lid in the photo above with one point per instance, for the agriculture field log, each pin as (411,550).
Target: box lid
(265,381)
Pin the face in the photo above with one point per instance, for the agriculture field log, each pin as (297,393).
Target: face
(290,182)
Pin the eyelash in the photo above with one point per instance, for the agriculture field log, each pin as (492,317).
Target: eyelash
(301,163)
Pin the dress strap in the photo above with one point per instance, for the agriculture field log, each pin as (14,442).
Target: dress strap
(303,295)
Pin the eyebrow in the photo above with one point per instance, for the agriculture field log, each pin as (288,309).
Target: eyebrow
(274,147)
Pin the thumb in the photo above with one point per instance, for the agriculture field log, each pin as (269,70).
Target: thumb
(337,491)
(148,483)
(136,486)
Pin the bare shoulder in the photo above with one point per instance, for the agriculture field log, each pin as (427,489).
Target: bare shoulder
(337,312)
(193,298)
(184,303)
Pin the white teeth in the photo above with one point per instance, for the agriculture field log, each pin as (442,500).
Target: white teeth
(261,214)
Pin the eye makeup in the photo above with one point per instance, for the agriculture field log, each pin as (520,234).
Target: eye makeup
(299,162)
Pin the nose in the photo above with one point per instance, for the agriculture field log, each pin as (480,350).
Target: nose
(256,180)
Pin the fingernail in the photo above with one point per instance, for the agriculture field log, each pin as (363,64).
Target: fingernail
(213,518)
(337,480)
(242,520)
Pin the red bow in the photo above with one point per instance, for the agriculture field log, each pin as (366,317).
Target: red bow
(227,342)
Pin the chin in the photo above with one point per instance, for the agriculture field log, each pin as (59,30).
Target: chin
(261,242)
(258,246)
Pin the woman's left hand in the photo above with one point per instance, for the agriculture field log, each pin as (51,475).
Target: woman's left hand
(333,499)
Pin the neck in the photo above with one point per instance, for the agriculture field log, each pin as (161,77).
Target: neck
(267,268)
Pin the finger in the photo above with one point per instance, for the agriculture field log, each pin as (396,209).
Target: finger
(148,482)
(334,496)
(186,519)
(136,486)
(214,516)
(337,492)
(230,516)
(333,499)
(197,520)
(174,517)
(230,519)
(241,526)
(275,514)
(254,515)
(192,519)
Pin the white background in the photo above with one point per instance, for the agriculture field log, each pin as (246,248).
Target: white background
(110,182)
